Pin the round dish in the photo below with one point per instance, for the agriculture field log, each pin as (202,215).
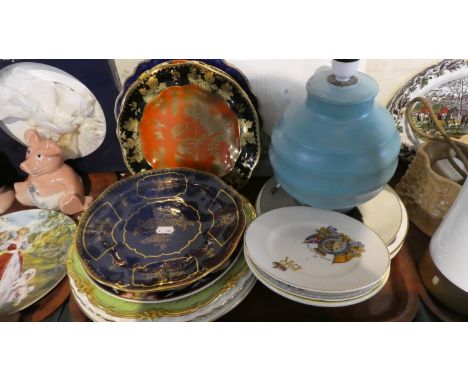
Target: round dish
(172,294)
(395,246)
(195,287)
(33,251)
(54,103)
(222,65)
(322,303)
(212,124)
(387,203)
(305,293)
(234,280)
(317,250)
(160,230)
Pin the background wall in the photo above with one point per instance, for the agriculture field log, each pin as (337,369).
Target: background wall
(393,74)
(276,82)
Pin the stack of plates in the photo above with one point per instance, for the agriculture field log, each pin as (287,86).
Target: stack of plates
(316,257)
(385,213)
(162,245)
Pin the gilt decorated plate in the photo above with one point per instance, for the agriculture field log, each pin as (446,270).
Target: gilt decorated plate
(33,252)
(316,250)
(207,304)
(189,114)
(160,230)
(222,65)
(445,86)
(195,287)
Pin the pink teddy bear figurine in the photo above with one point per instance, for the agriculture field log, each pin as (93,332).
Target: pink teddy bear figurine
(51,184)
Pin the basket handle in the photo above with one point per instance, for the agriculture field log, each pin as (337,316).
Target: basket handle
(455,145)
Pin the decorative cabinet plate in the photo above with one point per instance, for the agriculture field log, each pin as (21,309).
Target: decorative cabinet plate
(445,86)
(189,114)
(159,230)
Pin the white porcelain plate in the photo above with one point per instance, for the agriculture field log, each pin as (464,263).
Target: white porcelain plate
(332,297)
(54,103)
(321,303)
(317,250)
(395,246)
(383,213)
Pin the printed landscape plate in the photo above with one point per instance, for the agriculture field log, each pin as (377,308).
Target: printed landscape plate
(33,251)
(236,279)
(189,114)
(160,230)
(317,250)
(445,86)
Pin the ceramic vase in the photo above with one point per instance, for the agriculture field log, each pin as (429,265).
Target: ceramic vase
(339,148)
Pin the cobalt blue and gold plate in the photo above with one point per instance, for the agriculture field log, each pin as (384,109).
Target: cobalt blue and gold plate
(160,230)
(189,114)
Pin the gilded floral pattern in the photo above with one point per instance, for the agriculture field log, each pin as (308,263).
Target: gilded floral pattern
(205,77)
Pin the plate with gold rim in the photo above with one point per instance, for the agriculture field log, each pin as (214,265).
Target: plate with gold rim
(160,230)
(195,287)
(189,114)
(316,250)
(220,64)
(236,279)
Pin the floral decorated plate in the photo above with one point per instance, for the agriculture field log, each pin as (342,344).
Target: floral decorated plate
(33,251)
(316,250)
(445,86)
(189,114)
(209,300)
(160,230)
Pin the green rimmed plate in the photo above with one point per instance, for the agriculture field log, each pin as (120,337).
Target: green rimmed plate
(83,287)
(189,114)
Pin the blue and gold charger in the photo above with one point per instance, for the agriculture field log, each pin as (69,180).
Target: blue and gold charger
(160,230)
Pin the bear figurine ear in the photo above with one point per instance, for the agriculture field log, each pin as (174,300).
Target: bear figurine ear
(31,136)
(52,149)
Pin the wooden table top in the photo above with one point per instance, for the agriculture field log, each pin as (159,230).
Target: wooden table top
(399,300)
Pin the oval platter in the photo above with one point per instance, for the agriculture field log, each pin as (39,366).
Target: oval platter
(445,86)
(160,230)
(189,114)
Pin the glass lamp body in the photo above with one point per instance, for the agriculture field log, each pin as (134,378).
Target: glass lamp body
(339,148)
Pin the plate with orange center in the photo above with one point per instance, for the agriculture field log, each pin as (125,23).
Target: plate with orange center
(189,114)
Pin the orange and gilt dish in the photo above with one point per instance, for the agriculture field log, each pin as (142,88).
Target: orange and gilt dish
(186,126)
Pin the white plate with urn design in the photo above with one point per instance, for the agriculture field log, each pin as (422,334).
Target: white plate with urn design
(271,284)
(386,203)
(317,250)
